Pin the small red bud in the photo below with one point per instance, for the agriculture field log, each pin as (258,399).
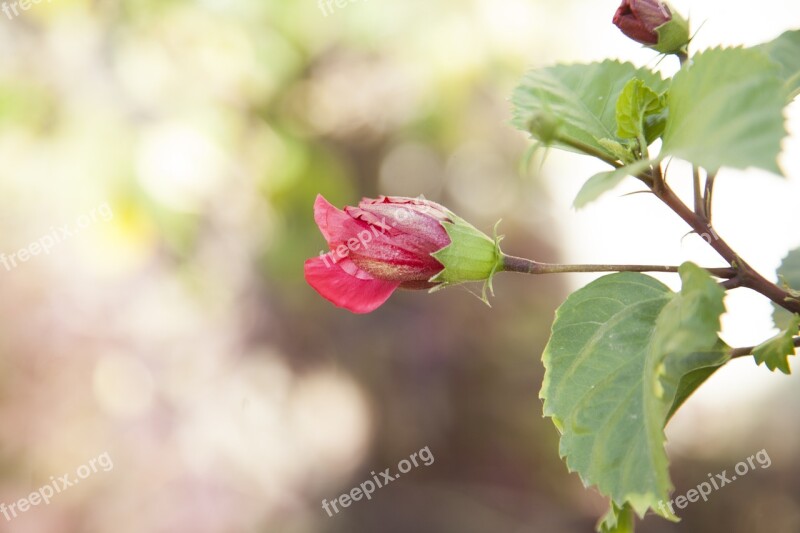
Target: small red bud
(638,19)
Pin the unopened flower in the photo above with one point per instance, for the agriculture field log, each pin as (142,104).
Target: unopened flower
(395,242)
(654,24)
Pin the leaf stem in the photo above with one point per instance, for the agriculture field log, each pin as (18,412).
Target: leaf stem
(748,350)
(589,150)
(699,201)
(529,266)
(708,194)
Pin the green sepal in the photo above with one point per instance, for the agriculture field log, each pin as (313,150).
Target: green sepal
(673,36)
(544,125)
(623,152)
(471,256)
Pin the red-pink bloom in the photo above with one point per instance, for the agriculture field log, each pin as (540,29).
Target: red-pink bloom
(375,248)
(638,19)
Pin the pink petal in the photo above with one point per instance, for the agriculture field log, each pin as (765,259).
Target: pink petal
(336,225)
(425,206)
(411,227)
(345,285)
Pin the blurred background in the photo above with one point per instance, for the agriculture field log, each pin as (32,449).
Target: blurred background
(167,154)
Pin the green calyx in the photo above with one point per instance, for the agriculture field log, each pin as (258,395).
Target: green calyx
(544,126)
(673,36)
(471,256)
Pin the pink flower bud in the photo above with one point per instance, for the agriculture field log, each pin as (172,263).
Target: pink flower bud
(638,19)
(375,248)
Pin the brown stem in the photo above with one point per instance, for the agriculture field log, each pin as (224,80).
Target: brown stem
(732,283)
(748,350)
(747,275)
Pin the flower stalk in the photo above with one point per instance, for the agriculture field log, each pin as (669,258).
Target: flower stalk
(528,266)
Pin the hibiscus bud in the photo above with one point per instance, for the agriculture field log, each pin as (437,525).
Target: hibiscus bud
(544,126)
(652,23)
(395,242)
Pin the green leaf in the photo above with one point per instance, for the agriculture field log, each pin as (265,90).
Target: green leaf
(571,104)
(655,124)
(691,382)
(603,182)
(692,321)
(690,325)
(686,337)
(788,277)
(776,351)
(785,51)
(594,387)
(726,110)
(636,103)
(613,367)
